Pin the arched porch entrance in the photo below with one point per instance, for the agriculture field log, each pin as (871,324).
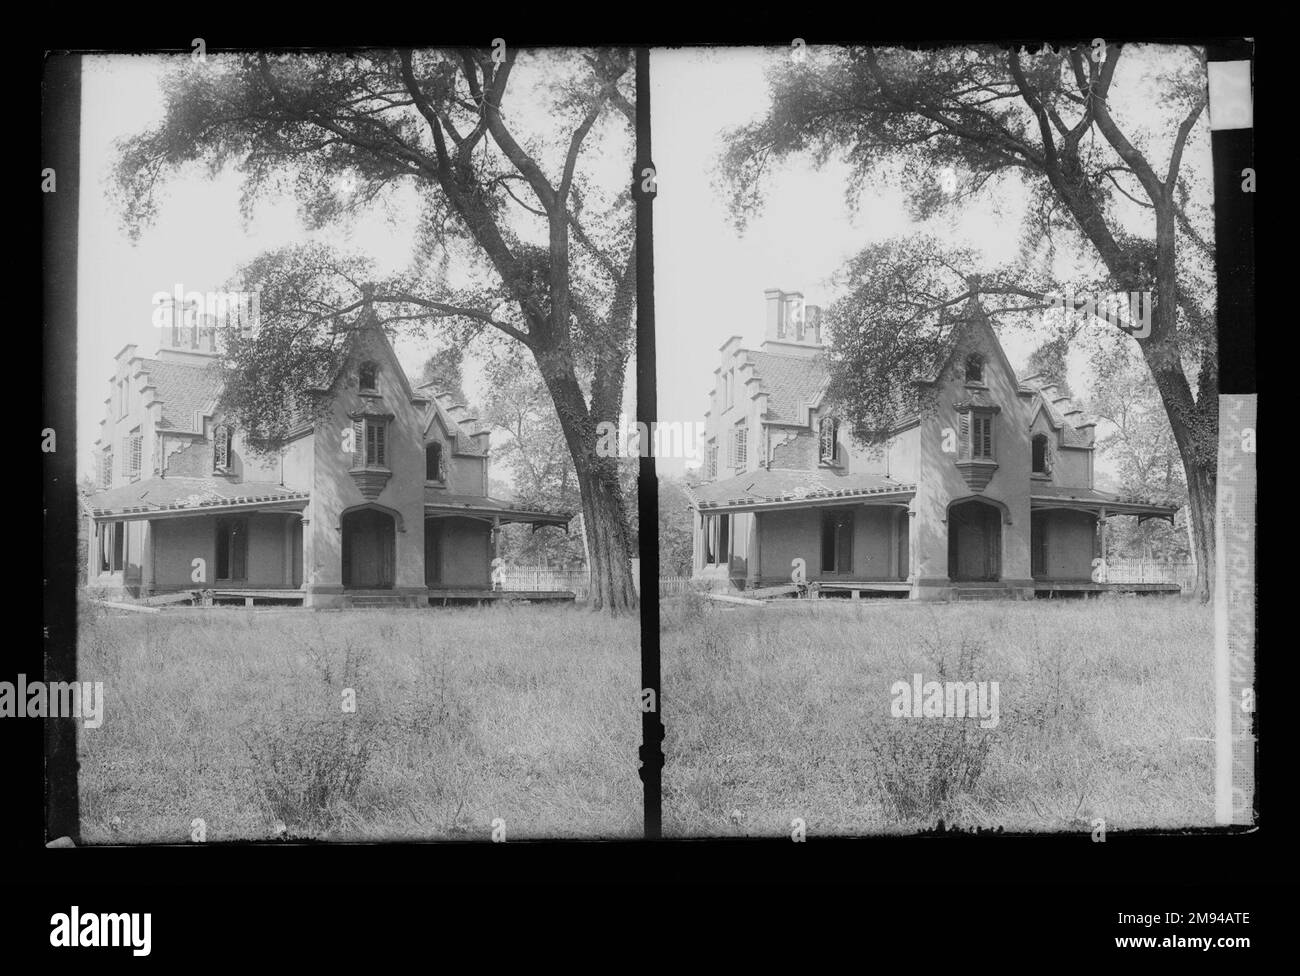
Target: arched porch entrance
(974,541)
(369,549)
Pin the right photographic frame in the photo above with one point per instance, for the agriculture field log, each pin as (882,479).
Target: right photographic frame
(956,527)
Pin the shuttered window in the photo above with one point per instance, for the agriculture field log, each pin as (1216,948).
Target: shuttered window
(739,447)
(982,436)
(375,444)
(369,447)
(134,452)
(106,468)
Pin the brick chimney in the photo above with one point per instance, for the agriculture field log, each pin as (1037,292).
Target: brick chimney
(794,328)
(186,332)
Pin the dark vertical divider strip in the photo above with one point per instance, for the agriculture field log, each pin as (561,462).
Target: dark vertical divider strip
(60,152)
(652,729)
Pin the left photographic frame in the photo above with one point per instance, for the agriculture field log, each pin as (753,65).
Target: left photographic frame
(351,564)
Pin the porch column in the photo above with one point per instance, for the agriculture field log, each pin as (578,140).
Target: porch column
(287,548)
(308,550)
(93,548)
(146,560)
(893,544)
(753,573)
(1100,551)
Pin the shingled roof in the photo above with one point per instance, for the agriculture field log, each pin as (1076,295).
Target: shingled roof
(788,485)
(1076,429)
(790,382)
(155,495)
(183,389)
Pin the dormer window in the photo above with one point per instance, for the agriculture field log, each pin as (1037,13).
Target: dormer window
(829,436)
(433,463)
(974,368)
(221,448)
(1040,455)
(369,377)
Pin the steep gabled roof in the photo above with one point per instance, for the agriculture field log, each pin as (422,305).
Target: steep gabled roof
(1075,429)
(455,420)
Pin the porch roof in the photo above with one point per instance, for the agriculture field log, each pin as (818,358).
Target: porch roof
(175,497)
(1092,500)
(438,502)
(784,488)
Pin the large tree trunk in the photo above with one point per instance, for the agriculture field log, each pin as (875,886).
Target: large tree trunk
(1196,434)
(604,518)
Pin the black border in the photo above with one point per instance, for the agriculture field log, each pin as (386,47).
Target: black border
(940,862)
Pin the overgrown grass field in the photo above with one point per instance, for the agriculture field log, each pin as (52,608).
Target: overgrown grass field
(783,712)
(462,716)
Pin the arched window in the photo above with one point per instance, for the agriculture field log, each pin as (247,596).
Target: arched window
(433,469)
(369,376)
(1040,454)
(974,368)
(830,440)
(221,448)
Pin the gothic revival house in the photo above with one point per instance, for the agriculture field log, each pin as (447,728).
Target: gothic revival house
(988,491)
(384,501)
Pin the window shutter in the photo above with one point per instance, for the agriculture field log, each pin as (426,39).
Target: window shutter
(379,444)
(965,434)
(986,441)
(358,443)
(742,446)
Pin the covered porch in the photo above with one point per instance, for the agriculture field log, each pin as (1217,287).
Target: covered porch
(177,540)
(462,547)
(840,535)
(1068,541)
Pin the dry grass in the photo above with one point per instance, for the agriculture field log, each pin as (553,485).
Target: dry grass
(783,711)
(462,716)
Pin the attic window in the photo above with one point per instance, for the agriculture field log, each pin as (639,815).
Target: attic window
(433,469)
(1040,454)
(974,368)
(221,448)
(369,374)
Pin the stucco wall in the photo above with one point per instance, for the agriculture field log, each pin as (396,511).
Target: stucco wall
(1071,466)
(940,481)
(466,552)
(333,489)
(176,543)
(1070,537)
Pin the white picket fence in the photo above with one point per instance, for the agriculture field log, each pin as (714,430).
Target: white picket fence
(543,578)
(1182,572)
